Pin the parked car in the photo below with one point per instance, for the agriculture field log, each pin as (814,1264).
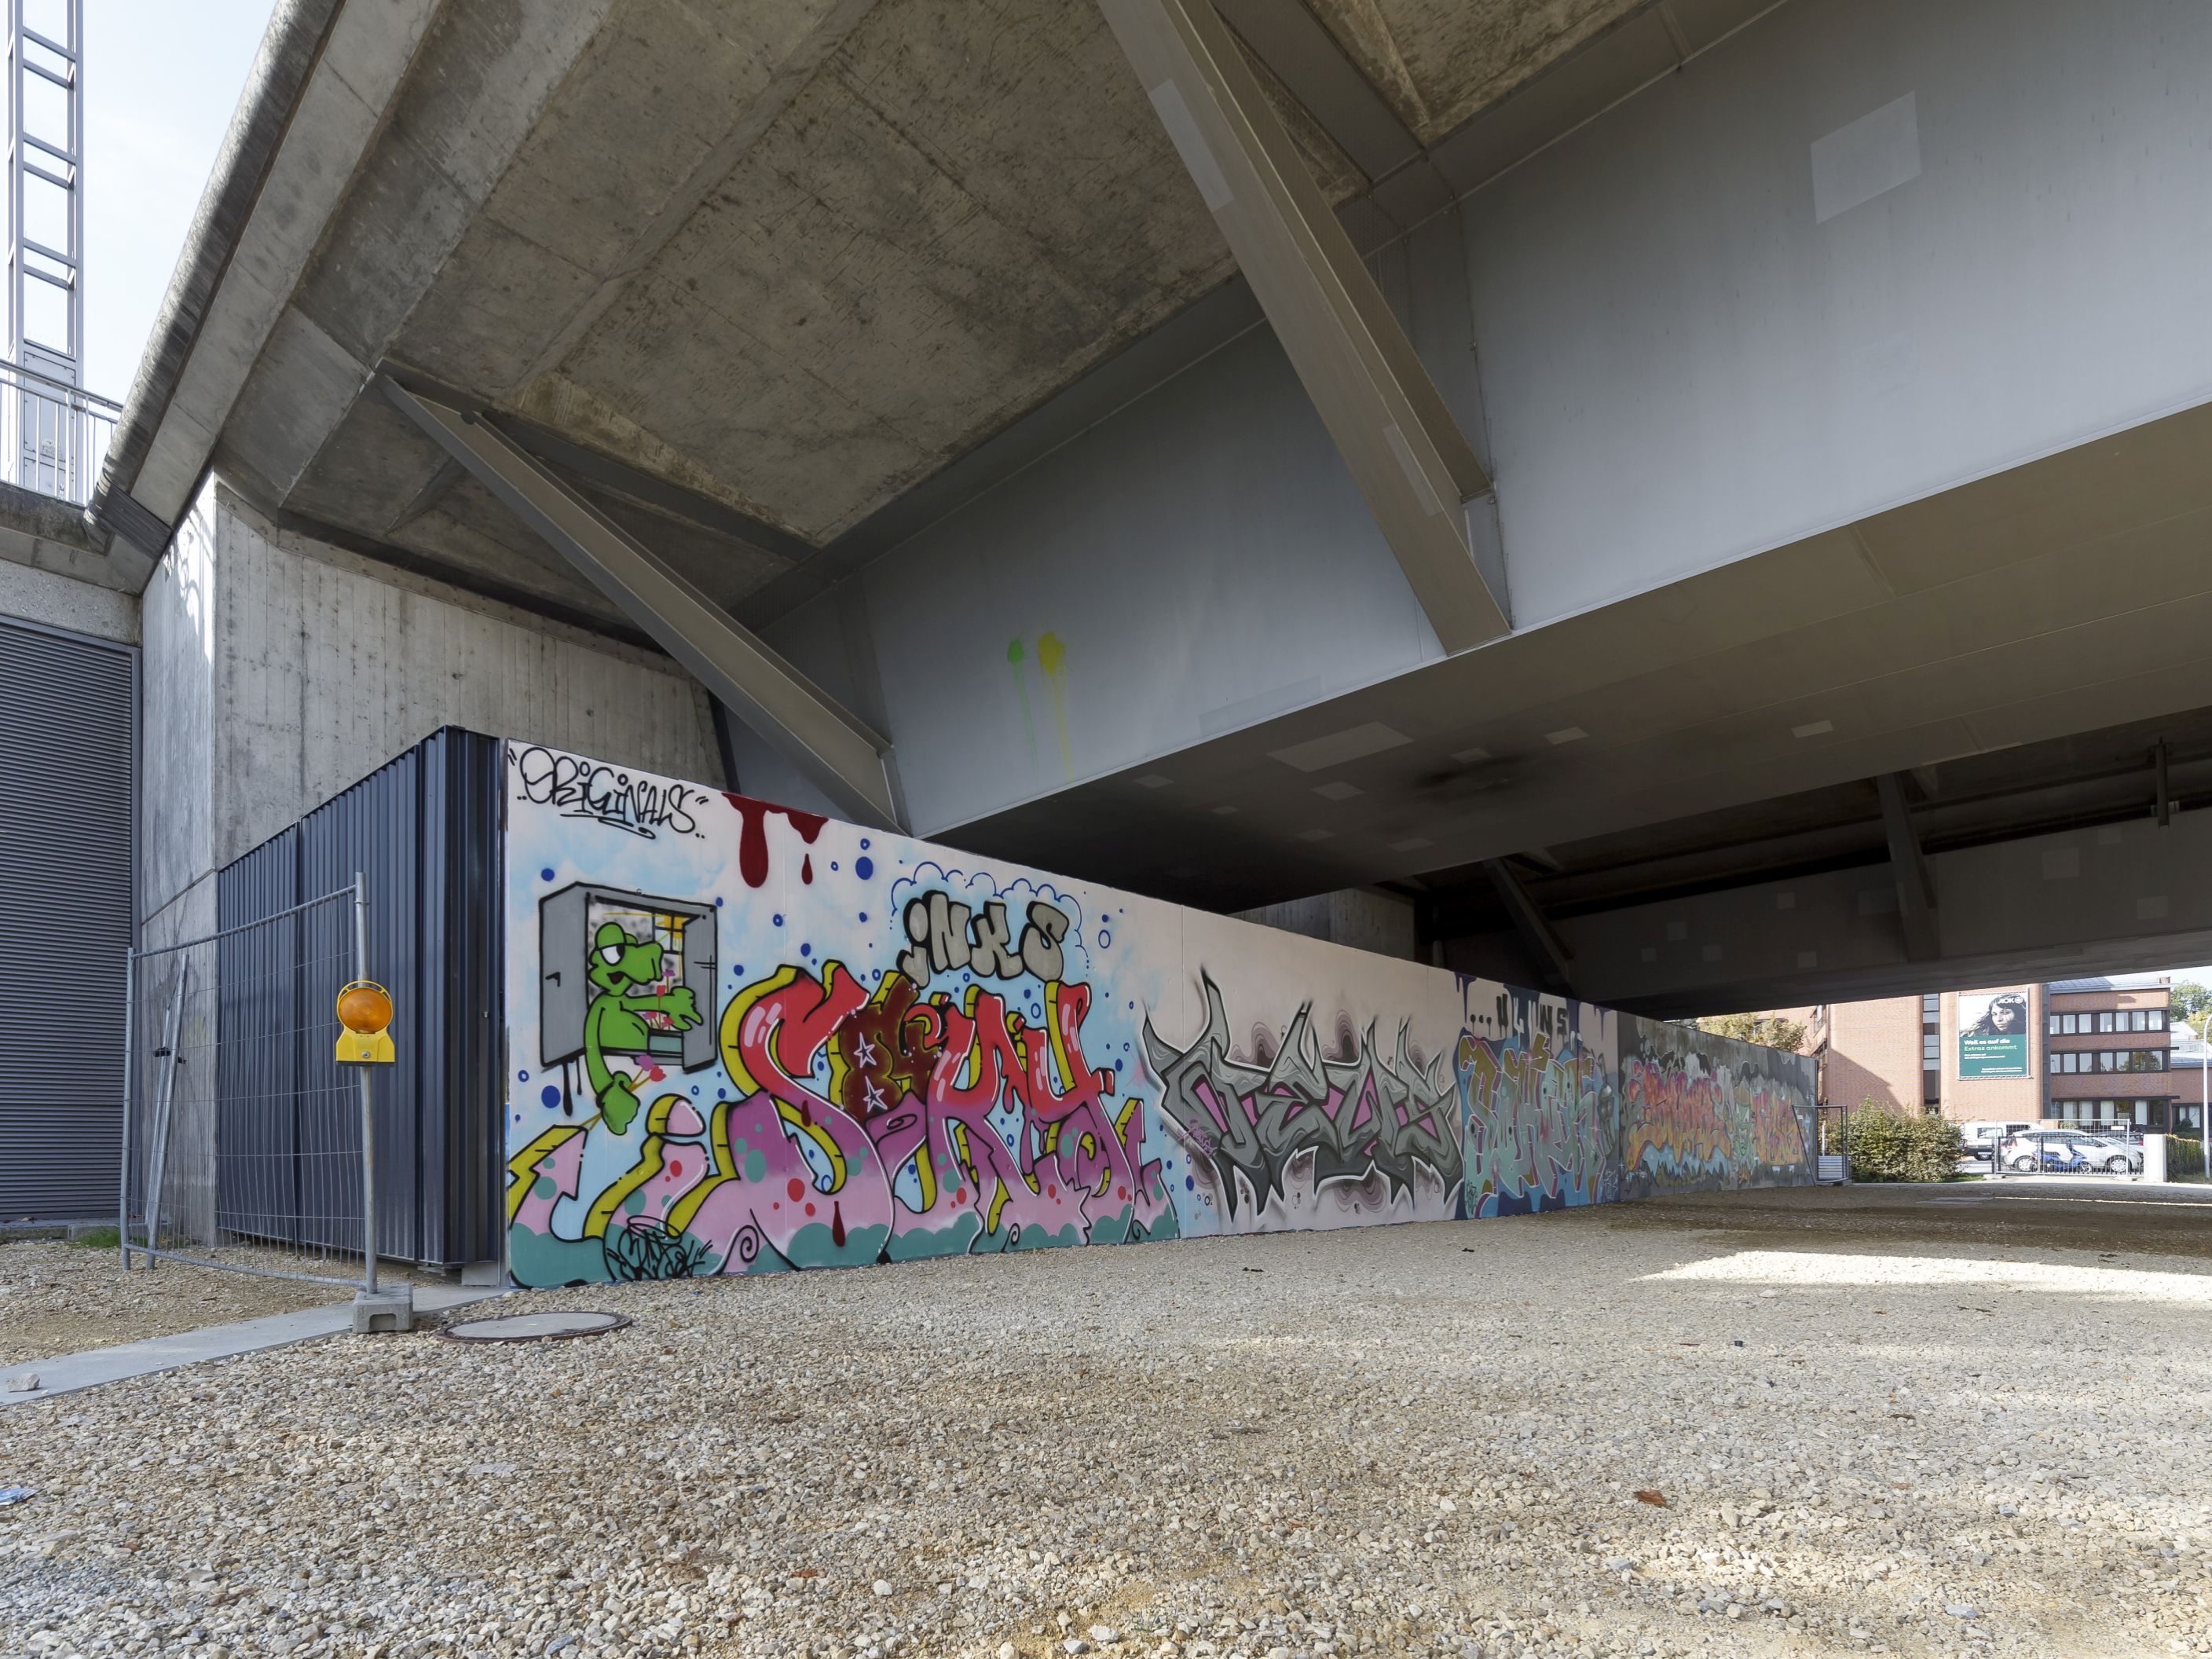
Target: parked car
(2122,1146)
(2069,1152)
(1978,1139)
(2121,1157)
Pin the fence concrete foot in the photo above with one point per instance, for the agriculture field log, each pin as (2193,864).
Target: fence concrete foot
(390,1308)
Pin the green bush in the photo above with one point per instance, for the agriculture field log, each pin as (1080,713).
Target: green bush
(2184,1156)
(1889,1145)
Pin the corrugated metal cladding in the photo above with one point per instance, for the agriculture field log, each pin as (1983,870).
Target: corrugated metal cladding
(68,755)
(424,830)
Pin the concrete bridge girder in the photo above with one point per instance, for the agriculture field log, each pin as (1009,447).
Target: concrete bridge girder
(1783,498)
(2128,897)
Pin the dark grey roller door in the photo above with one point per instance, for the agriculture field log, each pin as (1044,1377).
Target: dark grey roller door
(68,710)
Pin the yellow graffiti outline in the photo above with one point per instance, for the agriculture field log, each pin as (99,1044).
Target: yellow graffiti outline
(925,1167)
(648,1166)
(1061,1069)
(522,1171)
(733,1014)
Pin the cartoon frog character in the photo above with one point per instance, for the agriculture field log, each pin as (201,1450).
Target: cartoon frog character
(615,1022)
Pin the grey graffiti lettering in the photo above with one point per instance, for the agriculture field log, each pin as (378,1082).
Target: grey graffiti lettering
(1041,952)
(989,953)
(1357,1117)
(947,937)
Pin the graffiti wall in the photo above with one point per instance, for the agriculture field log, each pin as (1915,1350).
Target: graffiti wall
(1539,1085)
(1700,1113)
(744,1039)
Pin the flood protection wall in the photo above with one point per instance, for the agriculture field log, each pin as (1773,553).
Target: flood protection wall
(744,1039)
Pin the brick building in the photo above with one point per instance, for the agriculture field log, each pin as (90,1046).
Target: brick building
(2187,1062)
(2073,1051)
(1869,1051)
(2108,1050)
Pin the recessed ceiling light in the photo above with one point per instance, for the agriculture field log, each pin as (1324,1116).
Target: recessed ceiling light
(1338,791)
(1154,781)
(1223,812)
(1410,844)
(1567,734)
(1318,754)
(1317,835)
(1812,729)
(1470,754)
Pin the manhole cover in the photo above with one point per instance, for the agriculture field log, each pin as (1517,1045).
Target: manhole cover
(533,1327)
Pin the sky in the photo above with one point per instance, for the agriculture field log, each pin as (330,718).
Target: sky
(160,80)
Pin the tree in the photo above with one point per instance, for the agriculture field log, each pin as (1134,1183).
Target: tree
(1771,1030)
(2191,1004)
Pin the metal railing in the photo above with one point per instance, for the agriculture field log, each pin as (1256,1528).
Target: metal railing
(53,435)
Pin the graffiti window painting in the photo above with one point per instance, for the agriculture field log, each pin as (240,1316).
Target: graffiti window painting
(757,1040)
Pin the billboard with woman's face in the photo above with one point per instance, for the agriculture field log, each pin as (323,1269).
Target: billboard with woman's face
(1992,1034)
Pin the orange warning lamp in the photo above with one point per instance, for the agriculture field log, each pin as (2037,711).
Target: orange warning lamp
(365,1014)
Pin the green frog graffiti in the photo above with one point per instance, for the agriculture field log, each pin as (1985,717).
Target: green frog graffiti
(623,972)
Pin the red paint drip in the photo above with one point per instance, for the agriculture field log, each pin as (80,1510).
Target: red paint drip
(806,869)
(752,836)
(837,1225)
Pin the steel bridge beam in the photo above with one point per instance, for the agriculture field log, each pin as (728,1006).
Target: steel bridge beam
(1915,886)
(1554,962)
(837,752)
(1405,451)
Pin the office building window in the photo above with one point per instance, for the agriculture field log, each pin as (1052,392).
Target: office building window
(2157,1020)
(1932,1008)
(2105,1019)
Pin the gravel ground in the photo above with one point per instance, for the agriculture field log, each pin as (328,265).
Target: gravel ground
(62,1298)
(1447,1439)
(2096,1215)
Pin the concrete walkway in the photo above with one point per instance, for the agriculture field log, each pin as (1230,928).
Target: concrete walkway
(69,1373)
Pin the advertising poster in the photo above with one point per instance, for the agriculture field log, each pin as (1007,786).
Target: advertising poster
(1992,1034)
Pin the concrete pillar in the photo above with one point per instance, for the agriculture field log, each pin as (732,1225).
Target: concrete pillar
(280,671)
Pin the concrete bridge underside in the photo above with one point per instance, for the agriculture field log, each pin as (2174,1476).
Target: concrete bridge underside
(1819,395)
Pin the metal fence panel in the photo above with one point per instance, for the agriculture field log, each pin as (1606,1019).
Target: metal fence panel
(244,1145)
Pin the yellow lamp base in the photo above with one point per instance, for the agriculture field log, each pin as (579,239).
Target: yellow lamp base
(365,1048)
